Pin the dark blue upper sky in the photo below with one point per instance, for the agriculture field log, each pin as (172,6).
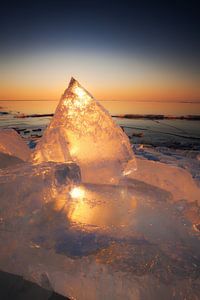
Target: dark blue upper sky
(171,28)
(166,30)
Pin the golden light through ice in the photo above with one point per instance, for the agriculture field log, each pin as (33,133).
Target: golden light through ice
(79,91)
(104,206)
(80,98)
(77,192)
(84,132)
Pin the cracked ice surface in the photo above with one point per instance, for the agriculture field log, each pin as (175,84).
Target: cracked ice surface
(83,131)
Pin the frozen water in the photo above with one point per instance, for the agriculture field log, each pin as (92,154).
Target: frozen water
(82,130)
(135,238)
(53,146)
(12,144)
(186,159)
(89,241)
(8,160)
(35,184)
(177,181)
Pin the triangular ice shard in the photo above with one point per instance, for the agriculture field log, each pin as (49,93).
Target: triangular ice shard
(83,131)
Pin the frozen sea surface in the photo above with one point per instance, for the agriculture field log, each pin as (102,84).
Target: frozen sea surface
(172,141)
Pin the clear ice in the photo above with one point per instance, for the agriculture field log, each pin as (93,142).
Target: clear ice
(12,144)
(83,131)
(90,241)
(136,239)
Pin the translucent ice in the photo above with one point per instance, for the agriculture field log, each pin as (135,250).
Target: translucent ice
(7,160)
(135,240)
(12,144)
(35,184)
(177,181)
(89,241)
(82,130)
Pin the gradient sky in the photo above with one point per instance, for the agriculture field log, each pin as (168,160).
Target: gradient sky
(119,50)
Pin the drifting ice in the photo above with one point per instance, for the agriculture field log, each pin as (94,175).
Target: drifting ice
(83,131)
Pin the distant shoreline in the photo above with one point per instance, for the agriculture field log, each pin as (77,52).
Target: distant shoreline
(158,117)
(127,116)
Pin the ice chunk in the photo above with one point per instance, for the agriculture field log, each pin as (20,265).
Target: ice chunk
(176,180)
(34,184)
(8,160)
(11,143)
(186,159)
(96,241)
(134,240)
(82,130)
(53,146)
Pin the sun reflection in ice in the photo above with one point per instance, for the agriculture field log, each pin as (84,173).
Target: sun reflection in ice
(79,91)
(105,206)
(80,100)
(77,192)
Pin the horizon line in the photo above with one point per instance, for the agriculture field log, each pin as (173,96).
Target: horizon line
(159,101)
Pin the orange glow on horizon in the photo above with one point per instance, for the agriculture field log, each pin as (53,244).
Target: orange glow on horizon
(140,92)
(108,76)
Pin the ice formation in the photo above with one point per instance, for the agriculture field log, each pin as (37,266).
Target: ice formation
(175,180)
(136,239)
(83,131)
(7,160)
(89,241)
(12,144)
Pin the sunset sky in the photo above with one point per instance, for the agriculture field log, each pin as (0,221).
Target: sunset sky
(118,50)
